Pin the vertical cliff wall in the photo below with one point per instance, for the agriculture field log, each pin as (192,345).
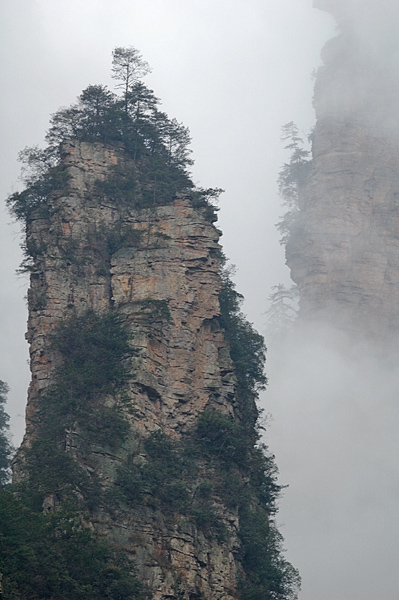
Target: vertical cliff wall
(138,416)
(343,250)
(157,268)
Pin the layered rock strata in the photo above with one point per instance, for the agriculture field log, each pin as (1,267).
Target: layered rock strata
(163,280)
(344,248)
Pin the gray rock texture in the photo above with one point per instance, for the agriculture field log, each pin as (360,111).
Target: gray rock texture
(163,279)
(344,249)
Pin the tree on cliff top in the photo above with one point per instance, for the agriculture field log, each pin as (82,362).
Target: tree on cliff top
(157,145)
(128,67)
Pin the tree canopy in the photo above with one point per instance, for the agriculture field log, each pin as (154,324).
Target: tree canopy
(292,178)
(130,118)
(128,67)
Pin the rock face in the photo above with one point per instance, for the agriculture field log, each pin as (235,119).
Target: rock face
(158,269)
(171,264)
(344,248)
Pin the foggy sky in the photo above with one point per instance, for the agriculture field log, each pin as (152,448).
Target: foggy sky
(233,71)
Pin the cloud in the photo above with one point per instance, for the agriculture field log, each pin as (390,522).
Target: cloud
(334,432)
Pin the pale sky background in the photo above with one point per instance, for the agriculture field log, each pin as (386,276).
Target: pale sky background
(234,72)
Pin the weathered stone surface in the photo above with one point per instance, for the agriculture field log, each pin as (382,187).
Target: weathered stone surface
(344,250)
(164,284)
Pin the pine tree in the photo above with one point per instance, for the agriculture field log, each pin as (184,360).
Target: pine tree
(292,179)
(282,311)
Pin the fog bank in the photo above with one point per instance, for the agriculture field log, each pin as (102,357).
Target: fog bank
(335,414)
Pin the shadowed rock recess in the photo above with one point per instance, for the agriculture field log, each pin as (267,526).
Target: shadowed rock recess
(141,412)
(343,248)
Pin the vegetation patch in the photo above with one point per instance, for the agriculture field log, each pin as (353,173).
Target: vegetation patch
(94,349)
(267,573)
(170,480)
(293,178)
(122,235)
(43,175)
(156,147)
(215,465)
(247,351)
(157,310)
(49,471)
(57,556)
(87,397)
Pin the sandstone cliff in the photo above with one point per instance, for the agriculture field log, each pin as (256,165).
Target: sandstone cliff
(183,364)
(343,250)
(164,284)
(135,410)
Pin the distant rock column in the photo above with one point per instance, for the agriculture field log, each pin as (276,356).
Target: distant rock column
(343,251)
